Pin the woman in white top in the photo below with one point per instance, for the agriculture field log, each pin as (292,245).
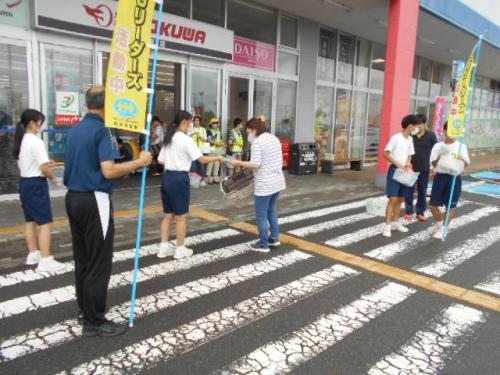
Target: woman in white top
(267,162)
(179,151)
(34,168)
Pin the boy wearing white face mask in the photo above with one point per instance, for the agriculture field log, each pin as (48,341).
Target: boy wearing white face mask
(398,152)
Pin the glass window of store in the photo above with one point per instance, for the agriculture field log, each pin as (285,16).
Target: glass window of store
(358,125)
(288,56)
(437,79)
(424,77)
(374,124)
(285,110)
(346,58)
(362,63)
(421,107)
(14,98)
(209,11)
(415,75)
(327,55)
(252,21)
(179,7)
(342,117)
(205,93)
(263,100)
(378,66)
(289,28)
(69,72)
(323,119)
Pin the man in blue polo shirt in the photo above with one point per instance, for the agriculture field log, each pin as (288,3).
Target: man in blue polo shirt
(90,153)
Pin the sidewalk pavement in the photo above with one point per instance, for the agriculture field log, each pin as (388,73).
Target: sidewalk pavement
(305,191)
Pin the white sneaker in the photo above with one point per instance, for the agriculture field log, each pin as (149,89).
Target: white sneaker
(387,231)
(439,234)
(399,227)
(33,257)
(49,264)
(203,184)
(166,250)
(182,252)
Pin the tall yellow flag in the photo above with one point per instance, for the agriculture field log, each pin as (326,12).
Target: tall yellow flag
(127,76)
(458,111)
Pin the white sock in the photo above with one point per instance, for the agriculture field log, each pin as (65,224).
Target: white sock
(164,246)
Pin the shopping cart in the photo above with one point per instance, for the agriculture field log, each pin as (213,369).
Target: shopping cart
(239,187)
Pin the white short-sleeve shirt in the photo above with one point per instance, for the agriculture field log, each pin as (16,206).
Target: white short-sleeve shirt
(32,155)
(451,149)
(266,152)
(180,153)
(400,147)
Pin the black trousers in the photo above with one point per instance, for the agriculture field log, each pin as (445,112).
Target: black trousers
(92,251)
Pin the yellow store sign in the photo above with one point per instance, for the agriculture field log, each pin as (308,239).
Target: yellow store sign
(127,78)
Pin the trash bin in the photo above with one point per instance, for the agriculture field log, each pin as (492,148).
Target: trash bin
(304,158)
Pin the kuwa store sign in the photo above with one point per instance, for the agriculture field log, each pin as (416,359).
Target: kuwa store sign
(96,18)
(254,54)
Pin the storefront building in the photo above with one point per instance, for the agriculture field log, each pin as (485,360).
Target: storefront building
(313,81)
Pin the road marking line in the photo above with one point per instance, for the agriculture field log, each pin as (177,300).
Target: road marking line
(67,293)
(166,345)
(425,282)
(321,212)
(460,254)
(407,244)
(119,256)
(428,350)
(193,210)
(59,333)
(327,225)
(287,353)
(491,283)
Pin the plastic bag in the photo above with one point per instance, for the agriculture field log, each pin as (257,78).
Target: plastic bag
(449,165)
(195,179)
(406,177)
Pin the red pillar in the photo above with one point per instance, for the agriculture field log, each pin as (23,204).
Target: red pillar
(400,56)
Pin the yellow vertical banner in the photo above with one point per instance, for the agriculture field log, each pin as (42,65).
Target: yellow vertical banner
(458,111)
(127,75)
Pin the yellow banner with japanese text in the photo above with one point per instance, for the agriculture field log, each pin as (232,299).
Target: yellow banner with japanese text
(127,76)
(458,111)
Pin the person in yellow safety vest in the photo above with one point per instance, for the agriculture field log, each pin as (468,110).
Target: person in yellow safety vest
(200,137)
(216,149)
(236,142)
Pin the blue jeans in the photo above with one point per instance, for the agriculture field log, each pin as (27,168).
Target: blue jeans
(423,180)
(265,211)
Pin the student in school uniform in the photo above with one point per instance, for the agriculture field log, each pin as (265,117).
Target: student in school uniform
(398,152)
(34,167)
(443,181)
(179,151)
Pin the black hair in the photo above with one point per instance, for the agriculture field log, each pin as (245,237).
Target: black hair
(119,140)
(237,121)
(95,98)
(179,118)
(155,118)
(409,120)
(28,116)
(445,126)
(422,119)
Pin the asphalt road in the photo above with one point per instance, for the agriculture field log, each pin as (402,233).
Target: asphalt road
(228,310)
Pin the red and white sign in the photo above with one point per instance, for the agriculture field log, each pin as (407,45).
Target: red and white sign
(254,54)
(96,18)
(439,117)
(67,108)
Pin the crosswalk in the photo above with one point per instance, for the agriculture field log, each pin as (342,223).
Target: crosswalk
(228,310)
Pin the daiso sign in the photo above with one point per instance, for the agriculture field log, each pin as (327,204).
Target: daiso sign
(254,54)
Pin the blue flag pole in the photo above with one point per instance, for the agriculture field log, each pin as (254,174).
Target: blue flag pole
(477,52)
(145,169)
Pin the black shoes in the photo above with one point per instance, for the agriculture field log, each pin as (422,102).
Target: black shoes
(107,329)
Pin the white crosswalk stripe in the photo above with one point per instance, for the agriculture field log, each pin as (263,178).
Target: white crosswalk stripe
(428,350)
(285,354)
(57,334)
(321,212)
(491,284)
(168,344)
(315,228)
(119,256)
(411,242)
(67,293)
(458,255)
